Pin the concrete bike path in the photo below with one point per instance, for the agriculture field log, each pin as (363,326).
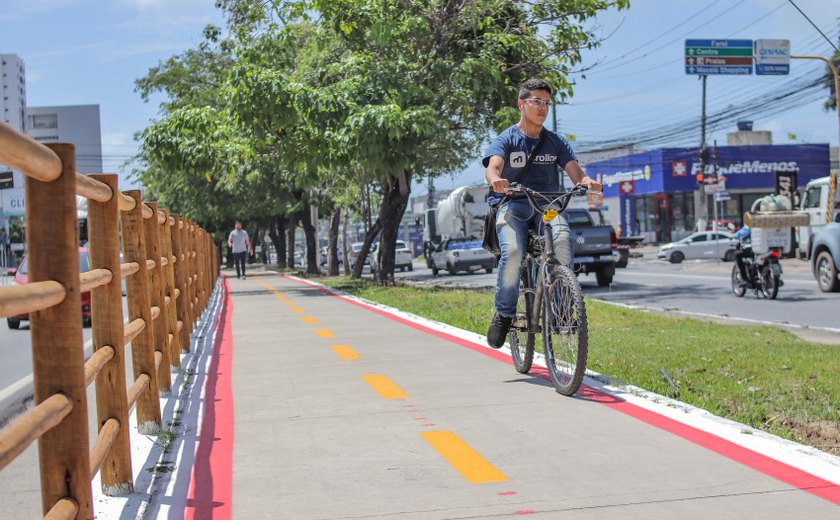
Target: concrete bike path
(340,411)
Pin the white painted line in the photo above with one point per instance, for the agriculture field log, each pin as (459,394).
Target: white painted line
(717,316)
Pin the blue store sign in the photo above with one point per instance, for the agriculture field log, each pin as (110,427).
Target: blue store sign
(672,170)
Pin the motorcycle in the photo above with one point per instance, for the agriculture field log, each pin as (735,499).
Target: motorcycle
(764,273)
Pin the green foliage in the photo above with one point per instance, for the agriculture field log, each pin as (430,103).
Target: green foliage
(335,93)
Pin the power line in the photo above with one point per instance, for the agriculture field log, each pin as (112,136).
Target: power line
(815,25)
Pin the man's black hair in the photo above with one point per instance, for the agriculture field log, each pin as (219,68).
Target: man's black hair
(531,85)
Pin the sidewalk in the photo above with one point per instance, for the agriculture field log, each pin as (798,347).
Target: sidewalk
(324,407)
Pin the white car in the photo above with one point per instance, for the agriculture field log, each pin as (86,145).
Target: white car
(402,257)
(462,254)
(705,244)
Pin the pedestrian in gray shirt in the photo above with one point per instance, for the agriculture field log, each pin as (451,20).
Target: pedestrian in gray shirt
(240,245)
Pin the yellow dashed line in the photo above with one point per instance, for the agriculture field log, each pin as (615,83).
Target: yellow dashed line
(325,333)
(346,353)
(289,303)
(385,387)
(472,466)
(310,320)
(297,309)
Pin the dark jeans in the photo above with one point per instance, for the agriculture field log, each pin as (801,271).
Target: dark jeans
(239,259)
(739,261)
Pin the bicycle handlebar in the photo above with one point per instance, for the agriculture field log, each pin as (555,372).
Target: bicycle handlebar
(563,198)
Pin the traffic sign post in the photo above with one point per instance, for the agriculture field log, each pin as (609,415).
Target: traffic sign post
(705,57)
(772,57)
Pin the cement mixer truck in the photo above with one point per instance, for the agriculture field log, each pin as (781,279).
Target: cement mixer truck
(459,216)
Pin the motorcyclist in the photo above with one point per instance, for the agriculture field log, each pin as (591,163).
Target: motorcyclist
(745,251)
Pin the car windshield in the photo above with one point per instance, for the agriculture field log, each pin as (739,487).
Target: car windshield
(463,244)
(84,264)
(578,219)
(357,248)
(401,245)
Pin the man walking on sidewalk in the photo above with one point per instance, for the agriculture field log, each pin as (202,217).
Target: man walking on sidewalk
(239,244)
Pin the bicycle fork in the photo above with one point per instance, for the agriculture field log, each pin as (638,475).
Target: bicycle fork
(547,258)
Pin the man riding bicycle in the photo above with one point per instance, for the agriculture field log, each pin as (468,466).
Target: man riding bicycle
(510,152)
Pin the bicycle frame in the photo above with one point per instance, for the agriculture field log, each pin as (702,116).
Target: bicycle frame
(547,256)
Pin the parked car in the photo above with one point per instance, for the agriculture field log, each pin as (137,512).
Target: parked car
(462,254)
(402,257)
(324,256)
(21,278)
(705,244)
(825,256)
(355,249)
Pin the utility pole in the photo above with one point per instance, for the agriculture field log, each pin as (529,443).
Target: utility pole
(704,153)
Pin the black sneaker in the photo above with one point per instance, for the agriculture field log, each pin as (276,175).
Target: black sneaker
(497,332)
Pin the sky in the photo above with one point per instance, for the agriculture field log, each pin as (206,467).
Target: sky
(92,51)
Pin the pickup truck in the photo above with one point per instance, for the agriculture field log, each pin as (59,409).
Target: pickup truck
(461,254)
(593,245)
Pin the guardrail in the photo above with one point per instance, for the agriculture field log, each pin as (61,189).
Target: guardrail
(170,270)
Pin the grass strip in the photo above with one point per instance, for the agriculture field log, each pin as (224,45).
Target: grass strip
(760,376)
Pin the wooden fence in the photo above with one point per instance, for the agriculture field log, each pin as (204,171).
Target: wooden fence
(170,268)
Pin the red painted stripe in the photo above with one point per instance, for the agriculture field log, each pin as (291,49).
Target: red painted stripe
(779,470)
(211,486)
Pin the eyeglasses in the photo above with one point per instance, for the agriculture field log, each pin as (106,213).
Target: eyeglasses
(537,102)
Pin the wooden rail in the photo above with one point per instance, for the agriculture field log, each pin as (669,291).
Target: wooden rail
(169,269)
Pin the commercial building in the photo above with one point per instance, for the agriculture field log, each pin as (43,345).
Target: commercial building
(656,194)
(13,80)
(76,124)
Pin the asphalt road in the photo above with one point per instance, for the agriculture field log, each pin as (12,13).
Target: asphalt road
(699,286)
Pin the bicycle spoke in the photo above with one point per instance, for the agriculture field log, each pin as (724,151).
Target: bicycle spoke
(565,334)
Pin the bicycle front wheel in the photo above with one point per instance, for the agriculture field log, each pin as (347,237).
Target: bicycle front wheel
(521,335)
(565,332)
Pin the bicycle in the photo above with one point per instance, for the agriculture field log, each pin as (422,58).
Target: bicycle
(550,302)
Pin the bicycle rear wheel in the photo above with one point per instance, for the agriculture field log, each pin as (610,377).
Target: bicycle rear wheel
(565,332)
(521,335)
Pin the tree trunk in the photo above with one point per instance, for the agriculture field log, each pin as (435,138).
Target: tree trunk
(290,238)
(311,241)
(395,192)
(345,247)
(369,236)
(332,246)
(277,233)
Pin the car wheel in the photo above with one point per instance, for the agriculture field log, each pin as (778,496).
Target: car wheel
(13,324)
(676,257)
(86,322)
(450,269)
(603,278)
(826,273)
(410,267)
(489,269)
(435,271)
(729,256)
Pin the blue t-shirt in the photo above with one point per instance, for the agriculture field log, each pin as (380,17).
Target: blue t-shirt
(515,147)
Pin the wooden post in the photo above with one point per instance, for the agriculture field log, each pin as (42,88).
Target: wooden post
(191,273)
(137,291)
(160,334)
(58,359)
(108,329)
(169,287)
(199,272)
(181,284)
(196,279)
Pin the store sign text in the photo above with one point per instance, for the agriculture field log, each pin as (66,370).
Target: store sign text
(747,167)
